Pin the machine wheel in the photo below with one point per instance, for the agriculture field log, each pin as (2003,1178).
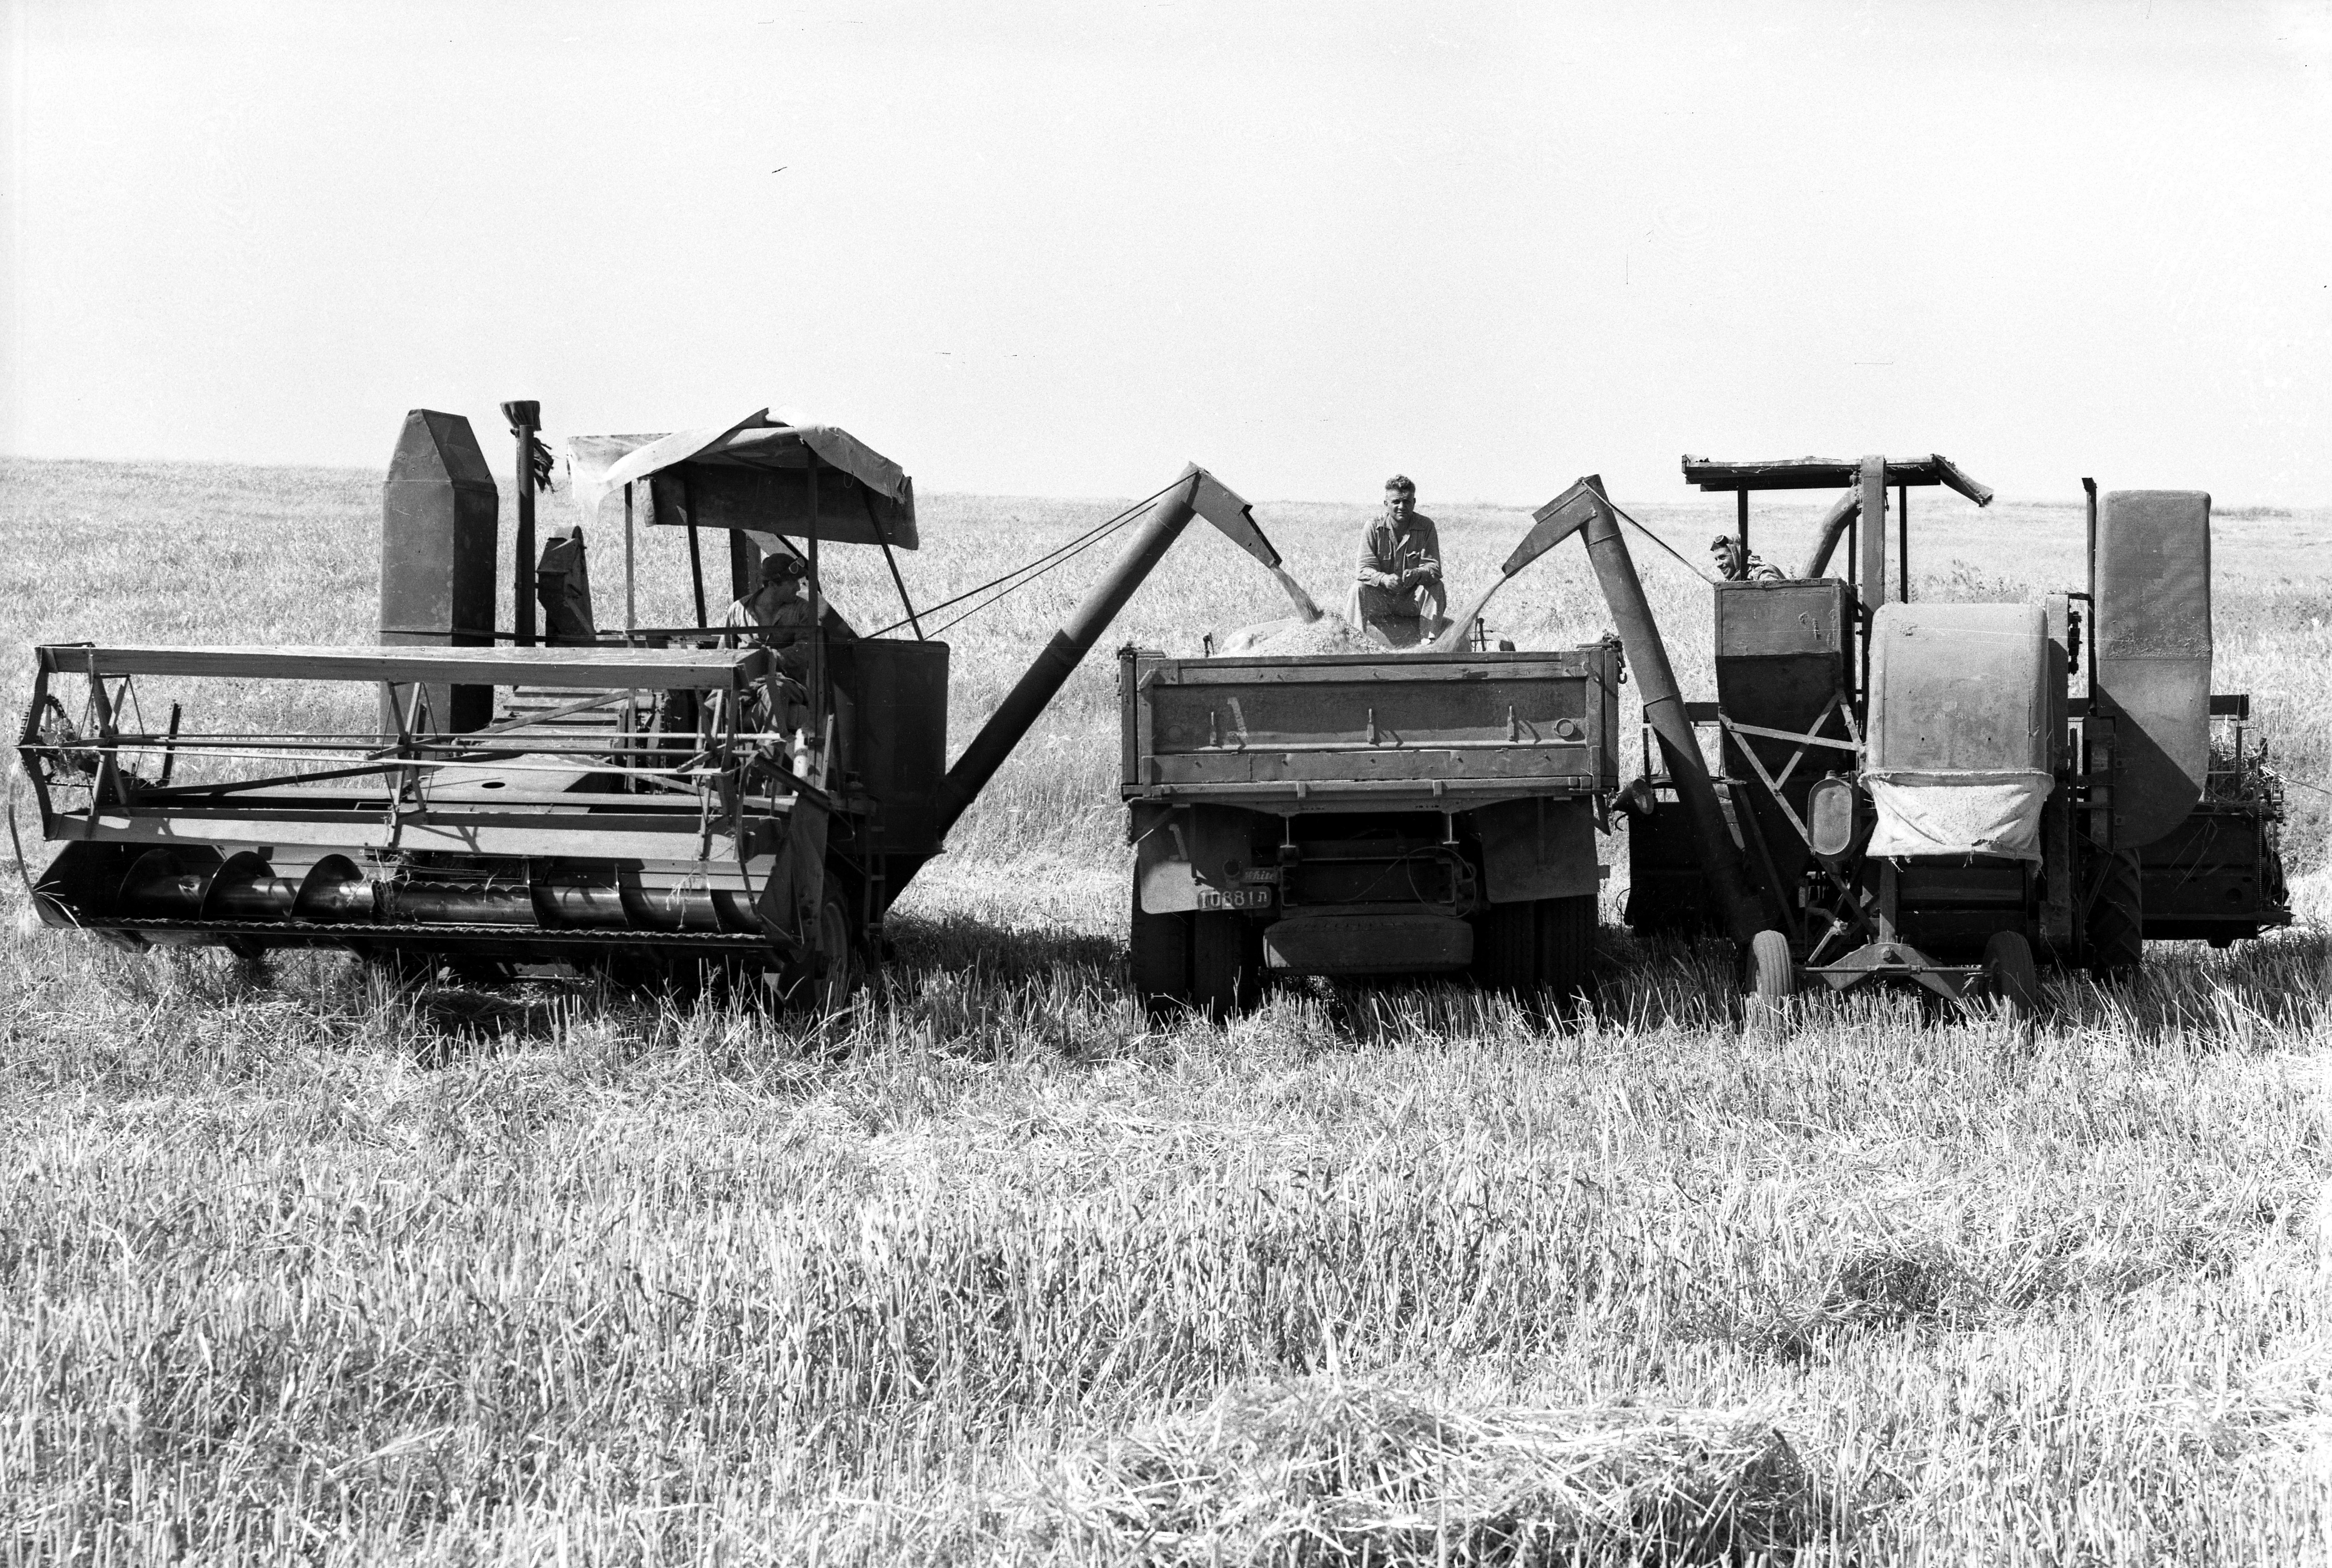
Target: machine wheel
(845,970)
(1566,949)
(1773,978)
(1506,948)
(1158,948)
(2114,937)
(1226,964)
(2008,968)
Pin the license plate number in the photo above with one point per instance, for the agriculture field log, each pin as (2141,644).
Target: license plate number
(1235,899)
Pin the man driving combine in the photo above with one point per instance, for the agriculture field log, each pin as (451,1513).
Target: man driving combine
(1397,597)
(1735,565)
(776,616)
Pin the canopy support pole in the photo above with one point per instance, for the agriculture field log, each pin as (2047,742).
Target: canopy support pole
(817,614)
(882,537)
(695,552)
(631,602)
(1903,542)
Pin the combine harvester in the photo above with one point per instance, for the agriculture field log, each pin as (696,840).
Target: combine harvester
(1920,793)
(636,803)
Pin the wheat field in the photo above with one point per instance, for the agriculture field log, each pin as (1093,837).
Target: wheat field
(298,1268)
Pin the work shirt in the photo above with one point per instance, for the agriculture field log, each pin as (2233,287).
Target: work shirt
(1755,570)
(1387,552)
(752,621)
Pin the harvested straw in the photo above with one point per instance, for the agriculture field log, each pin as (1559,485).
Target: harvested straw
(1318,1470)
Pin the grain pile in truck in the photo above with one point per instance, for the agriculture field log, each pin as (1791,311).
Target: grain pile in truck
(1295,638)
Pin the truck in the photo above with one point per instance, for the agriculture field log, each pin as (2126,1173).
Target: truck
(1366,816)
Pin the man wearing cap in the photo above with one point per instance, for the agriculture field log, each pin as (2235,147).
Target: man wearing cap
(1397,595)
(1735,565)
(776,616)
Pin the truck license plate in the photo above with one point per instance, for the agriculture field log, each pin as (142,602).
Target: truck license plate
(1235,899)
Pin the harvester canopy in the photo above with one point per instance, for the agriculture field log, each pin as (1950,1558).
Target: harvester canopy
(760,474)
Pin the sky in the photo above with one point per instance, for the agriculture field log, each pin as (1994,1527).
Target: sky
(1059,249)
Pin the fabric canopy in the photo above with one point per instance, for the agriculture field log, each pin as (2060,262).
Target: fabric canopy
(762,474)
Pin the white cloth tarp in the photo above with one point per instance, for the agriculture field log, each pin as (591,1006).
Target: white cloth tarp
(1957,814)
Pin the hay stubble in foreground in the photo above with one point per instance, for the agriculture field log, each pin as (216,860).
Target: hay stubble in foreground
(306,1268)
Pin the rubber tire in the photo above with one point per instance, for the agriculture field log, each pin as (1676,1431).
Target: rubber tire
(1506,948)
(1157,954)
(1226,964)
(831,992)
(2113,939)
(1566,951)
(2008,971)
(1773,978)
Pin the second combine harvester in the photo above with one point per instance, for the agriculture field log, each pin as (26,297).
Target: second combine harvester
(1921,791)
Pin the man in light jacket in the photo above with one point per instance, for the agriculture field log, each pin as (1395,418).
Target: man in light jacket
(1396,594)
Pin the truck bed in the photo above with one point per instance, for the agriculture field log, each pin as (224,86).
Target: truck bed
(1374,731)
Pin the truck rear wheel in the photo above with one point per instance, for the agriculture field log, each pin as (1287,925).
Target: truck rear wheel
(2113,935)
(1566,948)
(1506,948)
(1538,948)
(1158,948)
(1226,964)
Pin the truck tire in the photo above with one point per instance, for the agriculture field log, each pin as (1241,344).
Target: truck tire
(1506,948)
(2113,935)
(1158,948)
(2008,970)
(1566,950)
(1226,964)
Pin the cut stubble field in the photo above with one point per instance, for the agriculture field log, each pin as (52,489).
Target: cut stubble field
(296,1266)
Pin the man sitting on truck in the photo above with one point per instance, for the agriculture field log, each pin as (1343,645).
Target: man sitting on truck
(1397,597)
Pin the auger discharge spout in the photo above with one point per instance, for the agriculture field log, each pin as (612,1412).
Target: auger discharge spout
(1196,493)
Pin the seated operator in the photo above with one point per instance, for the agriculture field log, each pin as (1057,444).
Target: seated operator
(1397,595)
(1737,566)
(776,615)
